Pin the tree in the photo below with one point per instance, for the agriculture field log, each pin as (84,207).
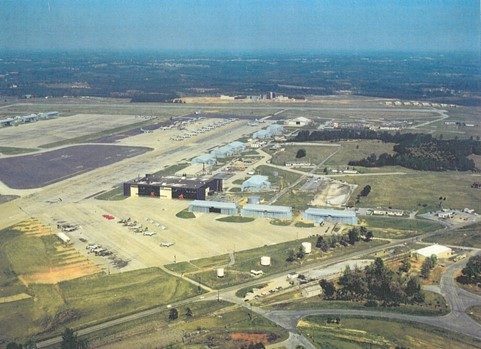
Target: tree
(365,191)
(173,314)
(14,345)
(353,235)
(472,271)
(322,244)
(71,341)
(300,253)
(413,290)
(426,268)
(301,153)
(405,265)
(369,235)
(291,255)
(188,312)
(328,288)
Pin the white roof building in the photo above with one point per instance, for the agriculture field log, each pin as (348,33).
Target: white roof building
(298,122)
(439,251)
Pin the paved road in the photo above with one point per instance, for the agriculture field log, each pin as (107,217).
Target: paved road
(287,319)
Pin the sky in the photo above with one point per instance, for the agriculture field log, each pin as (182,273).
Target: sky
(241,25)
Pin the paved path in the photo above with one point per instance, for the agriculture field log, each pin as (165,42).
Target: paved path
(457,321)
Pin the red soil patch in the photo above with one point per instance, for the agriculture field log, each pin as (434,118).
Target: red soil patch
(250,337)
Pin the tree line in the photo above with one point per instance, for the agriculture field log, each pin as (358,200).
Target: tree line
(417,151)
(375,284)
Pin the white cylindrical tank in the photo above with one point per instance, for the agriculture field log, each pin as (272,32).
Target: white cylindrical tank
(220,272)
(265,260)
(306,247)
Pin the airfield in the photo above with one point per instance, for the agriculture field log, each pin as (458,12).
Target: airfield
(84,155)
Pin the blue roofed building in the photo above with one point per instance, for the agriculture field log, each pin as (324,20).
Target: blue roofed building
(319,215)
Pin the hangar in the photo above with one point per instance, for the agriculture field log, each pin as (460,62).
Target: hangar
(267,211)
(318,215)
(439,251)
(206,159)
(256,183)
(227,208)
(173,187)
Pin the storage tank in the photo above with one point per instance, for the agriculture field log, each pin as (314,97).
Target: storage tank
(306,247)
(265,260)
(254,200)
(220,272)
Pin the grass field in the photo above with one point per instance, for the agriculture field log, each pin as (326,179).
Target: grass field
(15,151)
(417,190)
(360,333)
(469,236)
(236,219)
(475,313)
(434,304)
(212,322)
(277,177)
(314,154)
(114,194)
(398,228)
(185,214)
(76,302)
(356,150)
(202,270)
(89,300)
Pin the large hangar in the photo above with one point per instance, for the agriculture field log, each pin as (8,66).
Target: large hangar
(318,215)
(227,208)
(173,187)
(267,211)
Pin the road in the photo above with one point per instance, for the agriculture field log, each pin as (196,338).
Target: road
(288,319)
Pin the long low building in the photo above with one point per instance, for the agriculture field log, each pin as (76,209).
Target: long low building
(227,208)
(319,215)
(173,187)
(439,251)
(267,211)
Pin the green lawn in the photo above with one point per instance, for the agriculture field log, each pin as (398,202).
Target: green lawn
(91,300)
(76,302)
(304,225)
(469,236)
(314,154)
(15,151)
(419,190)
(185,214)
(247,260)
(236,219)
(277,176)
(398,228)
(360,333)
(357,150)
(434,304)
(114,194)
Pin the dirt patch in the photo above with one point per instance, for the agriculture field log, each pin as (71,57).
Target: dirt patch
(250,337)
(57,274)
(334,194)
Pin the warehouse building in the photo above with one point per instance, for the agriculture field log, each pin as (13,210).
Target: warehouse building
(319,215)
(267,211)
(256,183)
(228,150)
(205,159)
(269,132)
(227,208)
(439,251)
(298,122)
(172,187)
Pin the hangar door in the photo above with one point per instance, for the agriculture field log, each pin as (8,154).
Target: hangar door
(214,209)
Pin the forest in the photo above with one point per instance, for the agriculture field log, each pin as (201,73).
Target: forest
(418,151)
